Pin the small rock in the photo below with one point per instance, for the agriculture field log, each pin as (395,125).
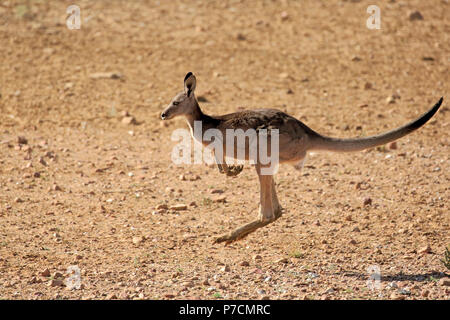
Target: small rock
(213,191)
(257,257)
(162,206)
(317,223)
(18,200)
(415,15)
(111,296)
(56,188)
(106,75)
(178,207)
(425,293)
(240,37)
(128,120)
(444,282)
(396,296)
(221,199)
(56,283)
(390,100)
(284,15)
(423,250)
(353,241)
(182,177)
(282,260)
(367,86)
(138,240)
(45,273)
(170,295)
(393,146)
(225,268)
(58,275)
(367,201)
(22,140)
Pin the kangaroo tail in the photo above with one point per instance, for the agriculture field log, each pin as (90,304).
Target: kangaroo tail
(319,142)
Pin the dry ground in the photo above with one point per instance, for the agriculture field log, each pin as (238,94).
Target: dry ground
(84,188)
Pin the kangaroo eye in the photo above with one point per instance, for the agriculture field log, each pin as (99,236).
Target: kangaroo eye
(175,103)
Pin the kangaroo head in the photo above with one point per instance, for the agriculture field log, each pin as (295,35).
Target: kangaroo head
(184,103)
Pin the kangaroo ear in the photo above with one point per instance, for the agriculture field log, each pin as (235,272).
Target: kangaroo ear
(189,83)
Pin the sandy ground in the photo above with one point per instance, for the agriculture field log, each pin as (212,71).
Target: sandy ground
(84,189)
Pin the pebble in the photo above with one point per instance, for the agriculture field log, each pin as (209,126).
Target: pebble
(257,257)
(423,250)
(244,264)
(178,207)
(162,206)
(45,273)
(225,268)
(367,201)
(18,200)
(444,282)
(138,240)
(106,75)
(415,15)
(56,283)
(22,140)
(221,199)
(128,120)
(393,146)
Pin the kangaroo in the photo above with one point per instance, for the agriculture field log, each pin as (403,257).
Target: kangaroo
(295,141)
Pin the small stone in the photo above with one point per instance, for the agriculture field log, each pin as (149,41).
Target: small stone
(393,146)
(244,264)
(128,120)
(56,283)
(415,15)
(257,257)
(18,200)
(284,15)
(22,140)
(58,275)
(45,273)
(444,282)
(424,250)
(169,295)
(213,191)
(282,260)
(56,188)
(356,229)
(425,293)
(353,241)
(240,37)
(111,296)
(225,268)
(137,240)
(182,177)
(390,100)
(396,296)
(367,201)
(317,223)
(178,207)
(162,207)
(221,199)
(367,86)
(106,75)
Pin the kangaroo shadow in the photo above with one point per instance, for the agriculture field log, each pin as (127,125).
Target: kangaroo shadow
(398,277)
